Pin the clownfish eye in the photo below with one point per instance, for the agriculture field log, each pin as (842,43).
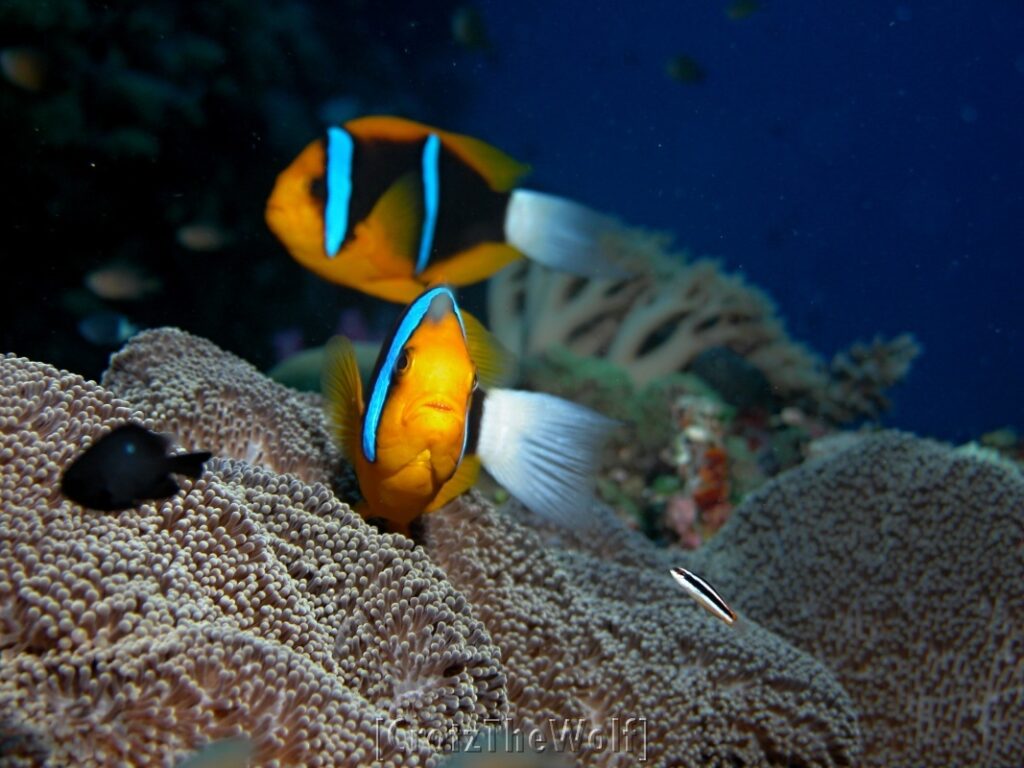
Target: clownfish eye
(404,362)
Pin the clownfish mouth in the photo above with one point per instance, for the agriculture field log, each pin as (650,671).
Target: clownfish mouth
(439,405)
(435,407)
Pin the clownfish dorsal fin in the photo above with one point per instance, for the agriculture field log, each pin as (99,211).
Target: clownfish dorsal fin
(397,216)
(465,477)
(343,393)
(501,171)
(495,364)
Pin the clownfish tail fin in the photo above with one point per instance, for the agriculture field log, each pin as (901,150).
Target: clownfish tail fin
(544,450)
(566,236)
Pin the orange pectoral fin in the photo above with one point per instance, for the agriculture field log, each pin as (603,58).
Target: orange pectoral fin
(471,266)
(379,260)
(465,477)
(397,217)
(343,393)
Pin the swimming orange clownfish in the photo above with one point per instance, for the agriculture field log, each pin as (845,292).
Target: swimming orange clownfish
(420,439)
(389,206)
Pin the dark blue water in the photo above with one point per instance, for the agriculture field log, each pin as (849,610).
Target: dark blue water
(864,163)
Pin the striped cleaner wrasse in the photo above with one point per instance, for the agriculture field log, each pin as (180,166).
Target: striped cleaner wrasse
(705,595)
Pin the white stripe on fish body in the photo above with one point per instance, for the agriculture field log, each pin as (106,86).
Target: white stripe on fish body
(705,595)
(544,450)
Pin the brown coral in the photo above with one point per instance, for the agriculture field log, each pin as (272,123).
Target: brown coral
(592,631)
(859,376)
(651,325)
(212,400)
(661,322)
(900,562)
(248,603)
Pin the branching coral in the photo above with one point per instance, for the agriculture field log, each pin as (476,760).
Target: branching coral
(900,562)
(859,376)
(249,603)
(592,631)
(662,321)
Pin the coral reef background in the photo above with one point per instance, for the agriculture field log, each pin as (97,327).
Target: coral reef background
(868,180)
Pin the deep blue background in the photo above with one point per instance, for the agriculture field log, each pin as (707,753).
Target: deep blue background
(863,162)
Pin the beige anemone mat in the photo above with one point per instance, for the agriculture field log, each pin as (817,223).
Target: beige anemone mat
(255,601)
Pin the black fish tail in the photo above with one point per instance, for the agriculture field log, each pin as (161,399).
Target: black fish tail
(190,464)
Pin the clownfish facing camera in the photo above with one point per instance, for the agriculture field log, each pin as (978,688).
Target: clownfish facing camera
(389,206)
(428,425)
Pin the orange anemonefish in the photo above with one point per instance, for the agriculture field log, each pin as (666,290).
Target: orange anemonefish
(420,439)
(389,206)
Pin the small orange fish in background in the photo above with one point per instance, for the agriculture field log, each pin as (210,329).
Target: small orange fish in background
(420,437)
(389,207)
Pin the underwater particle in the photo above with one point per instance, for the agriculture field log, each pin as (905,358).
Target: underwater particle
(468,28)
(742,9)
(202,237)
(106,328)
(685,69)
(225,753)
(24,67)
(704,594)
(126,467)
(121,282)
